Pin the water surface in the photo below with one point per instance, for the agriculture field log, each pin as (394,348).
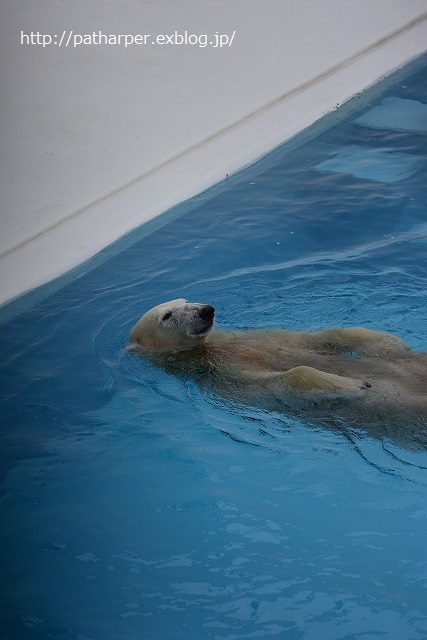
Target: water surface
(136,505)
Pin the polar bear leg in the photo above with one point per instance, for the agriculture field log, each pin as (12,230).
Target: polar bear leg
(363,340)
(377,340)
(309,379)
(301,378)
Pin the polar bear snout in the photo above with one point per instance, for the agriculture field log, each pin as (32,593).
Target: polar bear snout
(202,322)
(206,312)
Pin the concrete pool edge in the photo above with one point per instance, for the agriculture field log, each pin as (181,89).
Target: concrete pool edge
(285,122)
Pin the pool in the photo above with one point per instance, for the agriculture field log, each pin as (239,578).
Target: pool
(138,505)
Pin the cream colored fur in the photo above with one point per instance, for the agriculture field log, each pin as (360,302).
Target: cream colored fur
(272,367)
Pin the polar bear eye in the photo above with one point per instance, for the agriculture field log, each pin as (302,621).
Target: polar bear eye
(167,315)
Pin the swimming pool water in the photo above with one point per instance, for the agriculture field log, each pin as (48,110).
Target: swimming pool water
(136,505)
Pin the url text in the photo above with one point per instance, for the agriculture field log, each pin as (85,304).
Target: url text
(96,38)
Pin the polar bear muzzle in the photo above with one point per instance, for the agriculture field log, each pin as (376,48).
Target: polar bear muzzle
(202,323)
(207,313)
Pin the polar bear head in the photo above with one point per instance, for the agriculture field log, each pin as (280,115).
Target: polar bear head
(178,324)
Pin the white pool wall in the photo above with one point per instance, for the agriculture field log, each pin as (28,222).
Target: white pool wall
(98,139)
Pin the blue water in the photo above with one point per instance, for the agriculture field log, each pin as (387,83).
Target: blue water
(138,506)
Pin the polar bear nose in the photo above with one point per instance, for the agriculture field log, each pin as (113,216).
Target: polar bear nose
(206,312)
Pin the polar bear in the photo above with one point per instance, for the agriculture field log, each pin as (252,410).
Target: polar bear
(283,369)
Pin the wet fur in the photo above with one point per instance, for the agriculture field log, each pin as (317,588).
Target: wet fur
(370,379)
